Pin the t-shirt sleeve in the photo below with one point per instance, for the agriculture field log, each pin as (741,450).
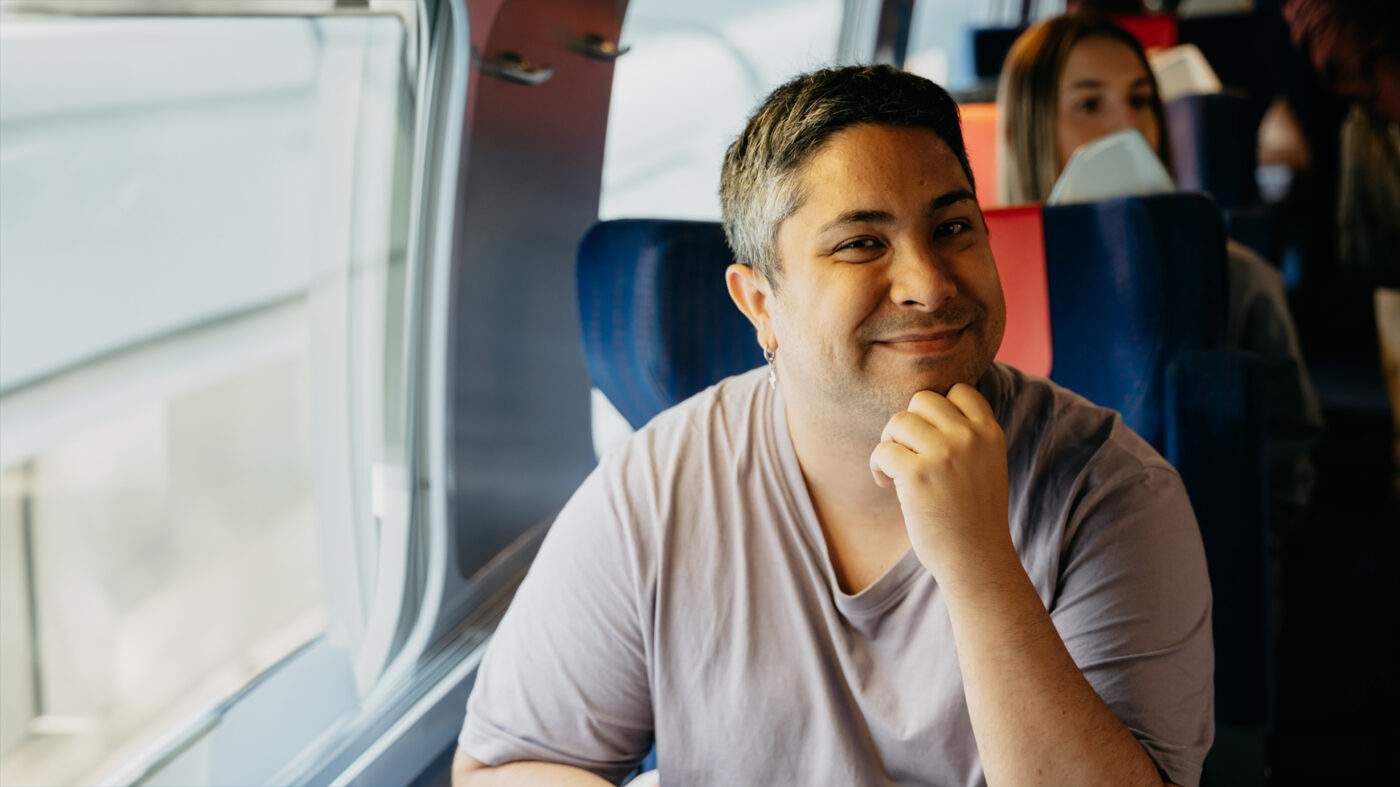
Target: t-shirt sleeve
(564,678)
(1134,610)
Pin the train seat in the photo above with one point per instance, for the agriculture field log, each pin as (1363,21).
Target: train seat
(658,324)
(979,127)
(1214,149)
(1214,146)
(1136,301)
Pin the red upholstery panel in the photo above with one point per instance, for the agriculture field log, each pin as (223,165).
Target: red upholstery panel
(1018,241)
(1151,30)
(979,127)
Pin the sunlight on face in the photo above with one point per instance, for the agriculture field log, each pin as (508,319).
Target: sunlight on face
(889,286)
(1103,88)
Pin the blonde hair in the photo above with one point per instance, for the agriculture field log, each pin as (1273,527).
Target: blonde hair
(1028,103)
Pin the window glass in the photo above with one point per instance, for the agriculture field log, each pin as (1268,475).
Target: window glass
(202,307)
(682,93)
(940,38)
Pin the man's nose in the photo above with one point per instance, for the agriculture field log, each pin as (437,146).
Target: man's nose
(919,278)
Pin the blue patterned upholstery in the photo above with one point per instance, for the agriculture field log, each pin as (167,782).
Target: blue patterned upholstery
(658,323)
(1133,282)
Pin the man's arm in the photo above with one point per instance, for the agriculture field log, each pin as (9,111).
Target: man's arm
(470,772)
(1037,720)
(564,679)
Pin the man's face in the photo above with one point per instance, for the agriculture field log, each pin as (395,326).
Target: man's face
(888,285)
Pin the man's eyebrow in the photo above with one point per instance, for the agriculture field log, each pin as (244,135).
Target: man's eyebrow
(858,217)
(884,217)
(948,198)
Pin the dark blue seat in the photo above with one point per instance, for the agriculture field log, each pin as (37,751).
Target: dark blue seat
(1137,295)
(658,324)
(1133,283)
(1213,141)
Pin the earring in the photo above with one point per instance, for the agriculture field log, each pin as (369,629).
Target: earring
(769,355)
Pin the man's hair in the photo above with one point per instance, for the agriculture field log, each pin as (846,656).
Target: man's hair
(760,185)
(1028,103)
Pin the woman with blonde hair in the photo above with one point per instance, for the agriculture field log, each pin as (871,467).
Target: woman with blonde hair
(1072,79)
(1067,81)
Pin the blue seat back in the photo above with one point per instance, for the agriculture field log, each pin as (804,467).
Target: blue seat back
(658,323)
(1133,282)
(1214,140)
(1215,431)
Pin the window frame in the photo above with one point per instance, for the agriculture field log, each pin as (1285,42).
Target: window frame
(412,531)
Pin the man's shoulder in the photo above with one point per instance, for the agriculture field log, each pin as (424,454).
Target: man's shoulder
(721,419)
(717,407)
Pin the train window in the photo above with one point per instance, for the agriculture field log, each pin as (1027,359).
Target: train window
(203,306)
(940,40)
(724,57)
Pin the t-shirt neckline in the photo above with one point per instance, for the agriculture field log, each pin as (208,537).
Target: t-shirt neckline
(893,585)
(878,596)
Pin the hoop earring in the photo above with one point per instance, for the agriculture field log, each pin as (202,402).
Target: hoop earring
(769,355)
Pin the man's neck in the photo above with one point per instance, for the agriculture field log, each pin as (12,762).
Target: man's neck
(834,454)
(861,523)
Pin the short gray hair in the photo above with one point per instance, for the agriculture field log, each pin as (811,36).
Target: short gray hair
(760,183)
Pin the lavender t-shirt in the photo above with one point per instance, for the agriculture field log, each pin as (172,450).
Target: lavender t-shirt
(684,596)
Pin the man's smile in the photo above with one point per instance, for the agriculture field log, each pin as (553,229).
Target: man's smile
(925,342)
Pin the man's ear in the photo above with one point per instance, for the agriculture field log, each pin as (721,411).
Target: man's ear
(751,293)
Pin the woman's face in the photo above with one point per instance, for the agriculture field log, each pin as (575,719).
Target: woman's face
(1103,88)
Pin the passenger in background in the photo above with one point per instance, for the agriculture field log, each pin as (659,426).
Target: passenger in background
(1356,45)
(1072,79)
(886,559)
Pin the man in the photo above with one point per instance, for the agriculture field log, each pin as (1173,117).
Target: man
(896,563)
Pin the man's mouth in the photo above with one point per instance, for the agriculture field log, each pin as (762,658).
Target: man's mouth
(924,342)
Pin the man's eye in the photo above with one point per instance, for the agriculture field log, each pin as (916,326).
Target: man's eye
(952,228)
(859,244)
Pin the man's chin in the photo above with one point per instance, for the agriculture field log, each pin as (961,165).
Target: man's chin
(939,381)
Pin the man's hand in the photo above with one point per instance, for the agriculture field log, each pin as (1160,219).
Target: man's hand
(946,457)
(1035,716)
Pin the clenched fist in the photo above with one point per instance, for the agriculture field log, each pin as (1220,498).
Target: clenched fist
(946,457)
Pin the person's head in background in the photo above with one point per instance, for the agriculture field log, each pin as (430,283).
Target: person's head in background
(1066,81)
